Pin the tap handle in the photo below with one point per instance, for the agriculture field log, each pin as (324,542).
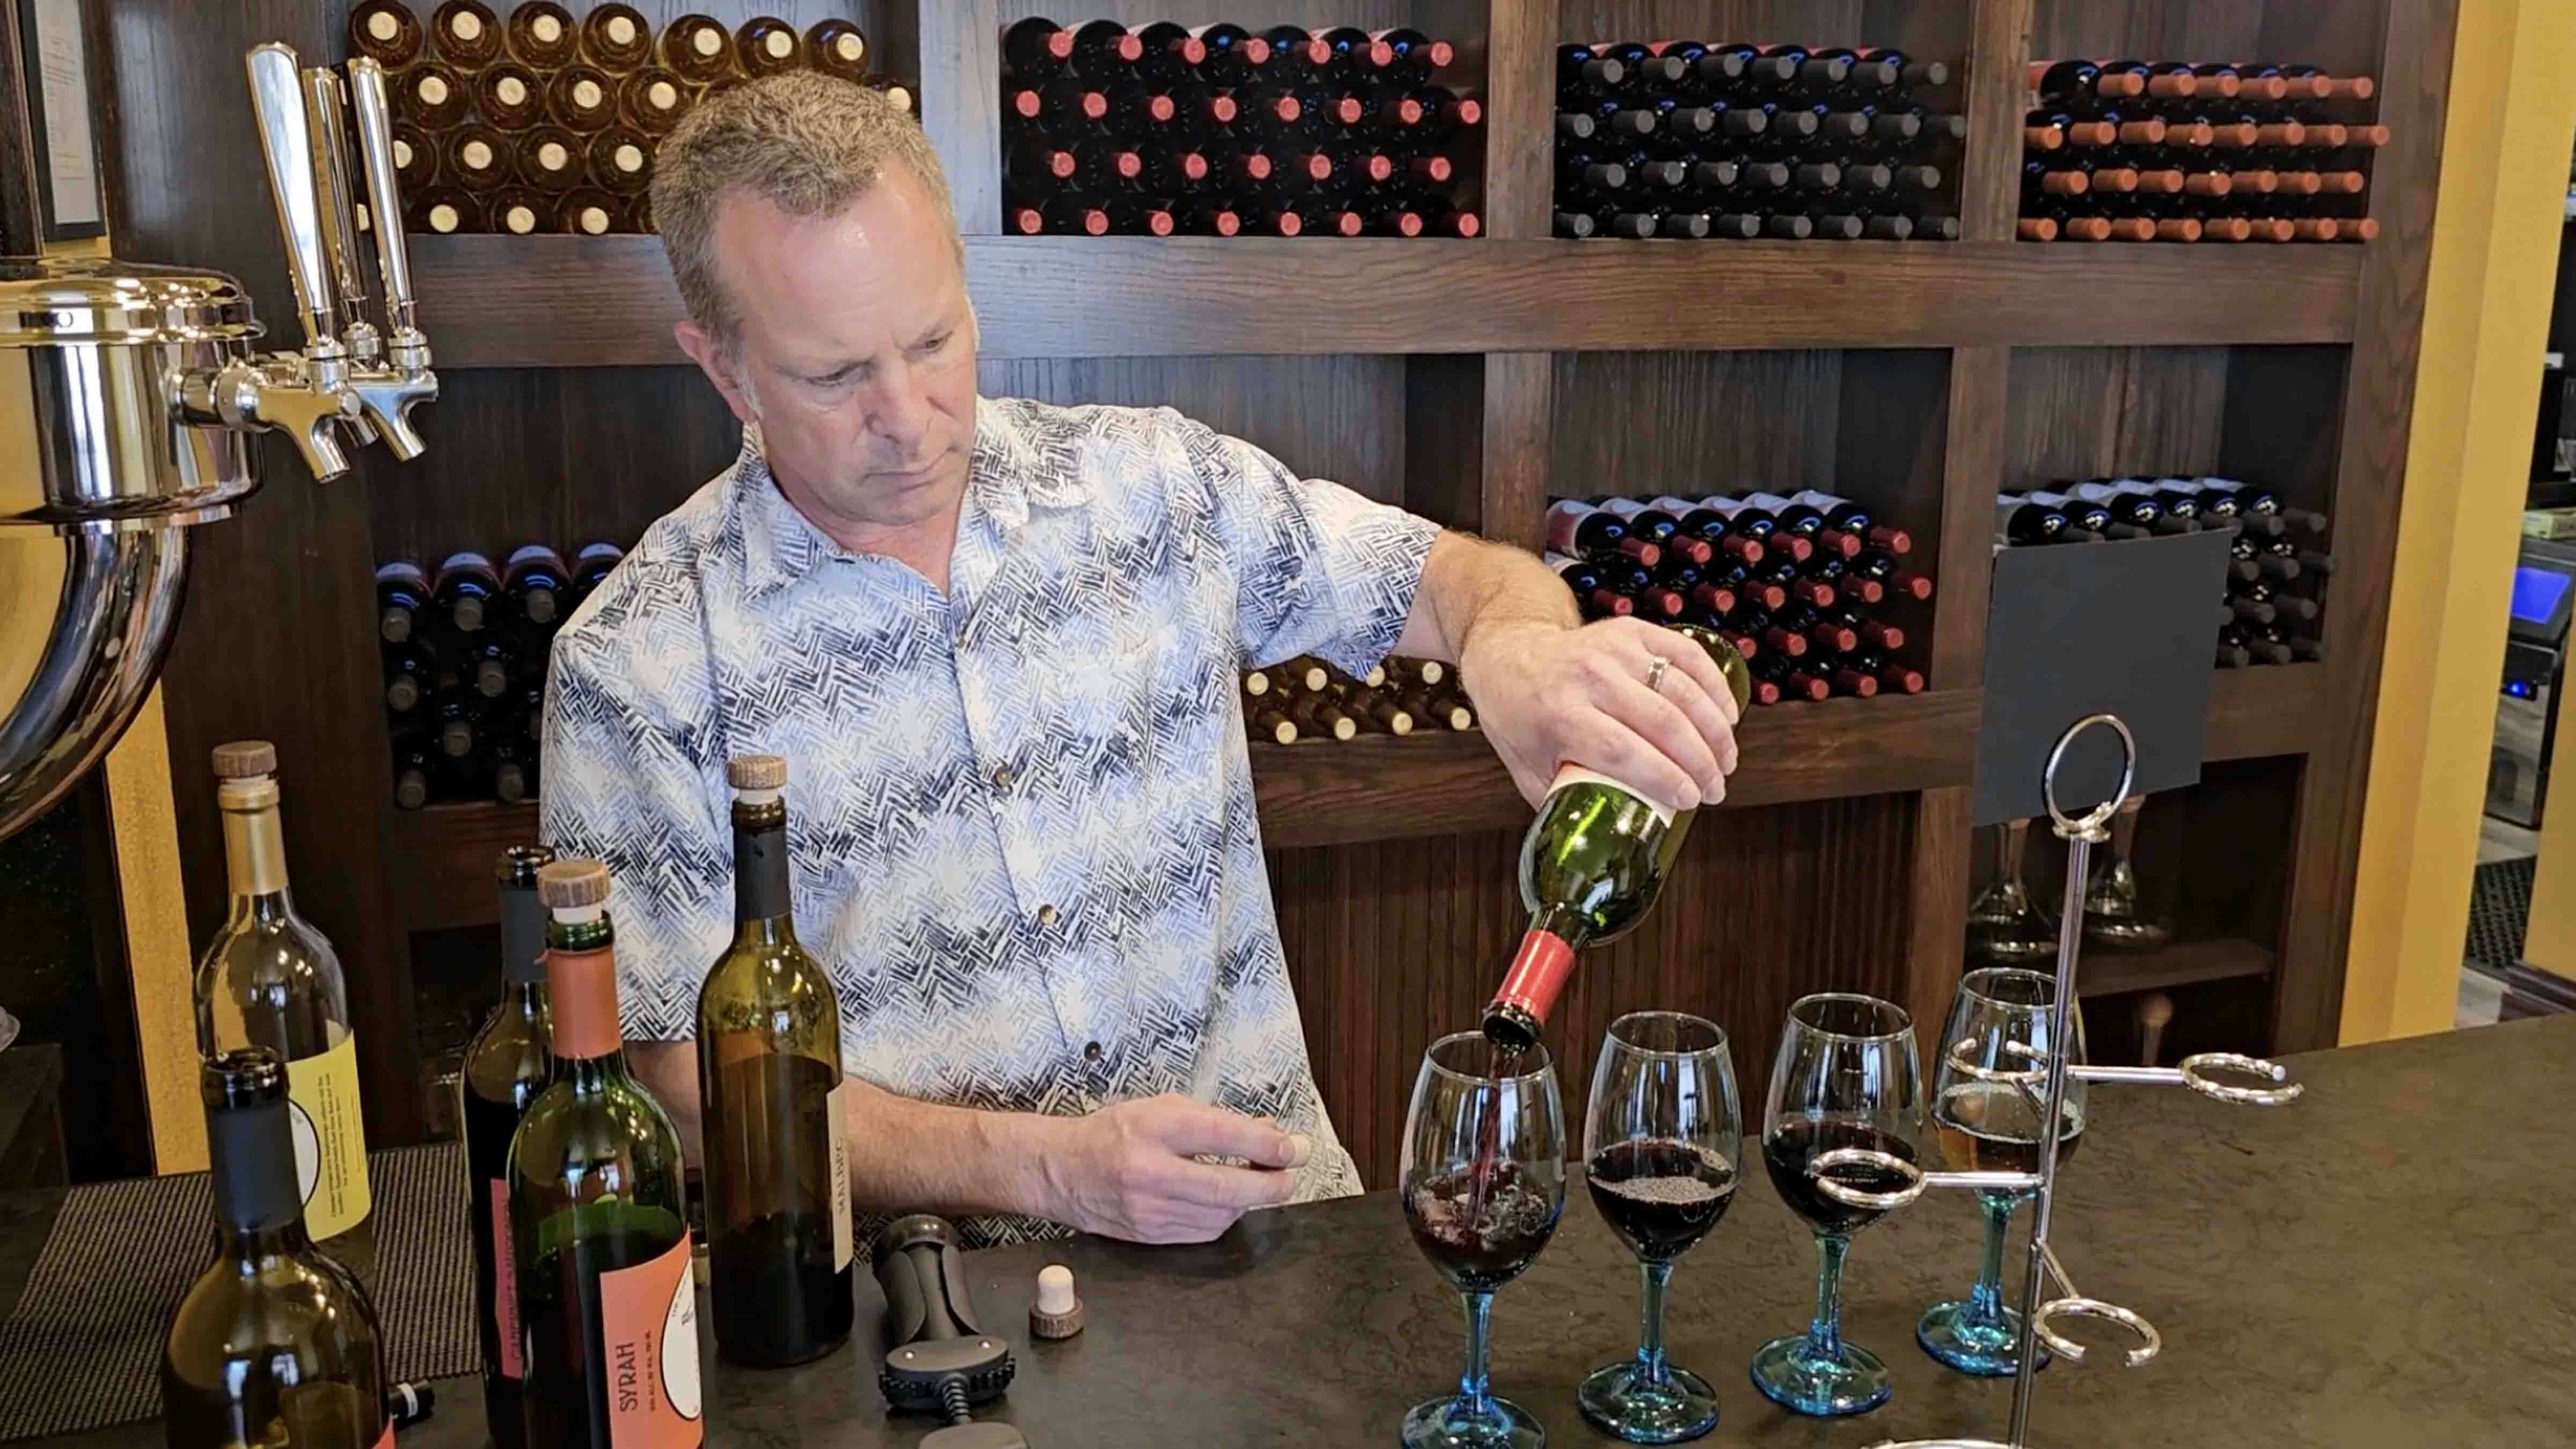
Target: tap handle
(277,101)
(384,196)
(326,129)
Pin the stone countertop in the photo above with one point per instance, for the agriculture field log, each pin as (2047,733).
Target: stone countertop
(2368,1267)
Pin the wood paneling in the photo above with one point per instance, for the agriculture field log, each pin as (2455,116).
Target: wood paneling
(2268,710)
(2342,36)
(1341,418)
(610,301)
(2110,973)
(1695,422)
(2088,412)
(1520,101)
(1973,464)
(961,106)
(2376,421)
(1391,945)
(1995,99)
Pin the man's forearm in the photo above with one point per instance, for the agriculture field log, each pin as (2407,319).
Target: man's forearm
(1470,585)
(904,1154)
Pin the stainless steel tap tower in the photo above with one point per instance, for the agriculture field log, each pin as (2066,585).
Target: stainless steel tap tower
(128,391)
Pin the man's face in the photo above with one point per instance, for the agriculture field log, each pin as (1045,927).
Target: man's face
(856,354)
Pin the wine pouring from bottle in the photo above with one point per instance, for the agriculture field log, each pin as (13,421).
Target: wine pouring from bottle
(1590,868)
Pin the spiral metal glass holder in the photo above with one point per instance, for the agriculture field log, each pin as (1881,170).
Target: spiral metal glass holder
(2044,1084)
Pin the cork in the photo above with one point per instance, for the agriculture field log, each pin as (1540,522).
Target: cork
(245,760)
(572,883)
(756,772)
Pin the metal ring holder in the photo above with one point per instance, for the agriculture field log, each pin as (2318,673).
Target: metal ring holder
(2044,1084)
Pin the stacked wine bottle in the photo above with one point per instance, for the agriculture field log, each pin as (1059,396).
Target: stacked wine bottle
(1219,131)
(545,123)
(1688,140)
(1810,587)
(465,653)
(1306,699)
(2130,150)
(2277,564)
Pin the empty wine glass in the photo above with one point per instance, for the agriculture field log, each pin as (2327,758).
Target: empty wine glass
(1987,1125)
(1660,1144)
(2005,927)
(1845,1078)
(1483,1183)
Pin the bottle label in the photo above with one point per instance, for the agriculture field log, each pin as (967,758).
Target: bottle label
(330,1137)
(648,1323)
(1578,775)
(505,1282)
(838,1105)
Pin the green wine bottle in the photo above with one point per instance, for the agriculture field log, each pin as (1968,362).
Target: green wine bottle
(1591,866)
(275,1343)
(769,1079)
(505,1068)
(608,1320)
(270,980)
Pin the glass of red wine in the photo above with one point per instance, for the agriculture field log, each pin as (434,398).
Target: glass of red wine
(1845,1077)
(1660,1144)
(1992,1059)
(1483,1181)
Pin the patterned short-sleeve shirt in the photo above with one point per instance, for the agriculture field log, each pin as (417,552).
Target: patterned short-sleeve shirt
(1020,811)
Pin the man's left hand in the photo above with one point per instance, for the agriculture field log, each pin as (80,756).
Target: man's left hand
(1548,696)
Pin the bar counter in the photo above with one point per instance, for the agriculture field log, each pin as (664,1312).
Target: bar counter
(2374,1265)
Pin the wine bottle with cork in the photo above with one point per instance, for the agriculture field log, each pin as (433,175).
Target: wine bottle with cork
(1591,866)
(275,1342)
(384,31)
(541,35)
(616,39)
(466,34)
(504,1069)
(599,1230)
(775,1113)
(269,979)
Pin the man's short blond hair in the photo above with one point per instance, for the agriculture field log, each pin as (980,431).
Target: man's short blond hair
(806,143)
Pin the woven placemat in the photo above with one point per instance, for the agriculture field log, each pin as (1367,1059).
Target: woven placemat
(83,1349)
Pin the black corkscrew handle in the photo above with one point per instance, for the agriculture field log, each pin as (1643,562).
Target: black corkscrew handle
(937,1361)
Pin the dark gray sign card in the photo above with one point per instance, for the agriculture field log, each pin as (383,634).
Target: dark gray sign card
(2127,628)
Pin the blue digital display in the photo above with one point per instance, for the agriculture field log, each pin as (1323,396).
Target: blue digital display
(2538,593)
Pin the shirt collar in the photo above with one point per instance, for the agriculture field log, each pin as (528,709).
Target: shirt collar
(1006,474)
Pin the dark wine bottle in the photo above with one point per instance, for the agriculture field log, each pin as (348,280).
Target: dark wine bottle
(1592,592)
(503,1070)
(769,1076)
(1580,530)
(1235,56)
(598,1220)
(1590,868)
(275,1342)
(1416,55)
(1663,530)
(464,588)
(1173,57)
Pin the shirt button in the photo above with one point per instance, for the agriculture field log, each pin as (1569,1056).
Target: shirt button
(1091,1051)
(1001,777)
(1046,915)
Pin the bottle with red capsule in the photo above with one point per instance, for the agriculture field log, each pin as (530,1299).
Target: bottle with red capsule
(1820,632)
(1386,213)
(1882,567)
(1579,530)
(1210,217)
(1172,57)
(1757,524)
(1700,593)
(1848,680)
(1417,56)
(1174,169)
(1449,223)
(1892,678)
(1065,215)
(1235,56)
(1708,524)
(1105,52)
(1873,633)
(1793,682)
(1591,592)
(1035,49)
(1060,107)
(1795,582)
(1034,167)
(1140,114)
(1267,115)
(1655,599)
(1296,54)
(1134,214)
(1658,527)
(1358,58)
(1803,520)
(1834,572)
(1845,520)
(1332,114)
(1104,163)
(1448,117)
(1271,218)
(2081,86)
(1761,625)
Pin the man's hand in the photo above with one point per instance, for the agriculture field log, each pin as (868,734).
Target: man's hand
(1549,695)
(1129,1170)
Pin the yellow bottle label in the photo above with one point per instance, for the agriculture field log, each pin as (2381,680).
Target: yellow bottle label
(330,1138)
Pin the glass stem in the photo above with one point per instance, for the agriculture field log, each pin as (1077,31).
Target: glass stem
(1472,1385)
(1825,1335)
(1650,1334)
(1986,1300)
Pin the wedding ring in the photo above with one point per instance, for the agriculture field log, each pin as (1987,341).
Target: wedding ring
(1655,673)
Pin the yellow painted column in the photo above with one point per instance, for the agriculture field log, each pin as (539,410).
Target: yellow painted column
(2505,148)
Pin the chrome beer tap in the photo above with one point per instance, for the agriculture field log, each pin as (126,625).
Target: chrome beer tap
(388,391)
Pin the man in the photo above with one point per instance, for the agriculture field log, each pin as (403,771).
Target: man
(998,644)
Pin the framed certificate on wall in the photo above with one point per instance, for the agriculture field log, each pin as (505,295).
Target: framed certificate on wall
(54,59)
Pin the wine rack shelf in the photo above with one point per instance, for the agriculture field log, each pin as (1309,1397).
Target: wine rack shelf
(2271,710)
(559,301)
(2184,963)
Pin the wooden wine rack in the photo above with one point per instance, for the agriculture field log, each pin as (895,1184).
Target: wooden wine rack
(1457,378)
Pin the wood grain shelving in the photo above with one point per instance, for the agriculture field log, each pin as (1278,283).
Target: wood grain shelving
(2272,710)
(2184,963)
(493,301)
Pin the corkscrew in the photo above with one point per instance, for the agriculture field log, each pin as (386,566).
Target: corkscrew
(937,1360)
(2043,1086)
